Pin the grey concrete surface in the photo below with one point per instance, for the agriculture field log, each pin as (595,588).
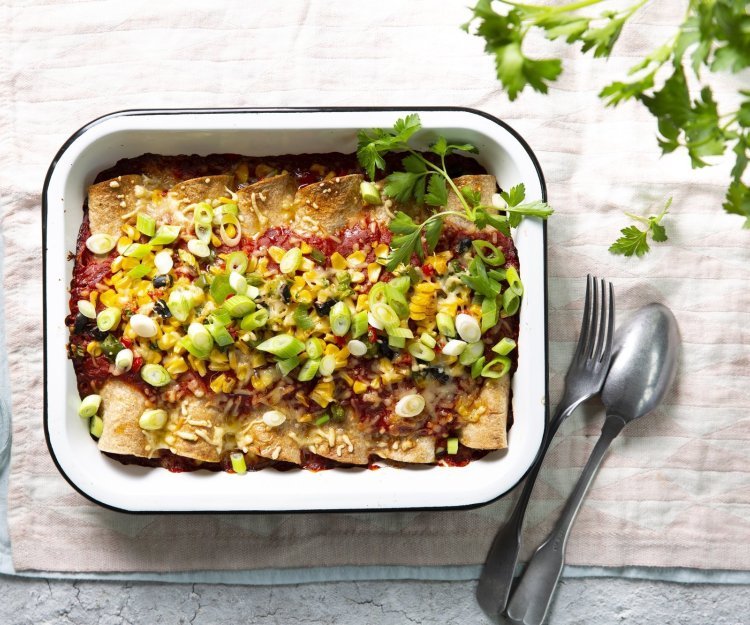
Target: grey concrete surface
(579,602)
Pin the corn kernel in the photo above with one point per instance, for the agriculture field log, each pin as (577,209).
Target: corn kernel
(175,365)
(381,251)
(306,265)
(359,387)
(110,298)
(355,259)
(338,262)
(257,359)
(362,302)
(116,264)
(375,384)
(305,247)
(373,271)
(94,348)
(94,297)
(322,394)
(276,252)
(262,380)
(197,364)
(304,297)
(168,340)
(131,231)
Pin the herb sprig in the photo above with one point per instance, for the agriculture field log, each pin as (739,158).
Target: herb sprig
(428,183)
(713,37)
(634,241)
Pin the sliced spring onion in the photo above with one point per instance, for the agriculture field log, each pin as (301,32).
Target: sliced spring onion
(468,328)
(108,319)
(155,375)
(291,260)
(514,281)
(488,252)
(139,271)
(96,426)
(404,333)
(199,248)
(220,334)
(476,368)
(451,446)
(165,235)
(239,306)
(497,367)
(288,365)
(111,346)
(371,320)
(237,261)
(220,288)
(239,466)
(238,283)
(323,419)
(252,291)
(254,320)
(359,324)
(137,250)
(428,340)
(385,315)
(398,342)
(490,313)
(273,418)
(220,317)
(230,222)
(340,318)
(203,214)
(445,324)
(370,193)
(376,295)
(163,262)
(201,337)
(302,318)
(145,224)
(356,348)
(86,308)
(472,353)
(89,406)
(504,346)
(410,405)
(397,301)
(282,345)
(327,365)
(203,232)
(401,284)
(180,303)
(497,274)
(187,343)
(308,370)
(454,347)
(100,243)
(318,256)
(420,351)
(143,326)
(315,348)
(511,302)
(124,359)
(154,419)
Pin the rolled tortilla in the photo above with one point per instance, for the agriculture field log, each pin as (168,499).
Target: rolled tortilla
(488,431)
(419,450)
(266,203)
(122,407)
(327,206)
(197,430)
(109,201)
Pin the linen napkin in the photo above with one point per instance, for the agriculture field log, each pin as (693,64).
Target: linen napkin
(675,489)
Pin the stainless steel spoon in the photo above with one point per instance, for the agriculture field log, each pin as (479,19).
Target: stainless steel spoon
(643,368)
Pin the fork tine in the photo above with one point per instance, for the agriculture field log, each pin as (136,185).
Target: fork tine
(593,333)
(606,323)
(607,351)
(585,320)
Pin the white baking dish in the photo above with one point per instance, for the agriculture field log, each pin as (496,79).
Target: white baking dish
(261,132)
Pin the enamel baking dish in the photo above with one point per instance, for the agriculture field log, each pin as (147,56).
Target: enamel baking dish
(265,132)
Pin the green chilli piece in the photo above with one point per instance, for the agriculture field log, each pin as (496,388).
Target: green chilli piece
(490,313)
(488,252)
(155,375)
(323,419)
(220,334)
(451,446)
(282,345)
(237,261)
(255,320)
(514,281)
(308,370)
(111,346)
(337,412)
(318,256)
(497,367)
(288,365)
(96,426)
(165,235)
(239,306)
(89,406)
(145,224)
(220,288)
(511,303)
(108,319)
(504,346)
(340,318)
(302,318)
(476,368)
(397,301)
(359,324)
(446,325)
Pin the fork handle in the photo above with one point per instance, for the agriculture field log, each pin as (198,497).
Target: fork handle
(499,568)
(531,601)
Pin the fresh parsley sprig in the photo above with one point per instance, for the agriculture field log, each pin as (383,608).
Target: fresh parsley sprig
(425,182)
(634,241)
(713,37)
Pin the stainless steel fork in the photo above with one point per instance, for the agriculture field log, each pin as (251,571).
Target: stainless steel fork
(584,379)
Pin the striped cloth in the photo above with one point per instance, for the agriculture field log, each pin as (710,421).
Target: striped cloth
(675,489)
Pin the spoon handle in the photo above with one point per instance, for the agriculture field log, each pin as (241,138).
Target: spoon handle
(532,598)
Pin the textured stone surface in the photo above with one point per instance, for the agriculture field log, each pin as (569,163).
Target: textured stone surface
(579,602)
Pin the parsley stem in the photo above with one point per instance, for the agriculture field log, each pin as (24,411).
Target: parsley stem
(448,179)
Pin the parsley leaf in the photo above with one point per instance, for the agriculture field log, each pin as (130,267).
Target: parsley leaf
(432,230)
(634,241)
(437,191)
